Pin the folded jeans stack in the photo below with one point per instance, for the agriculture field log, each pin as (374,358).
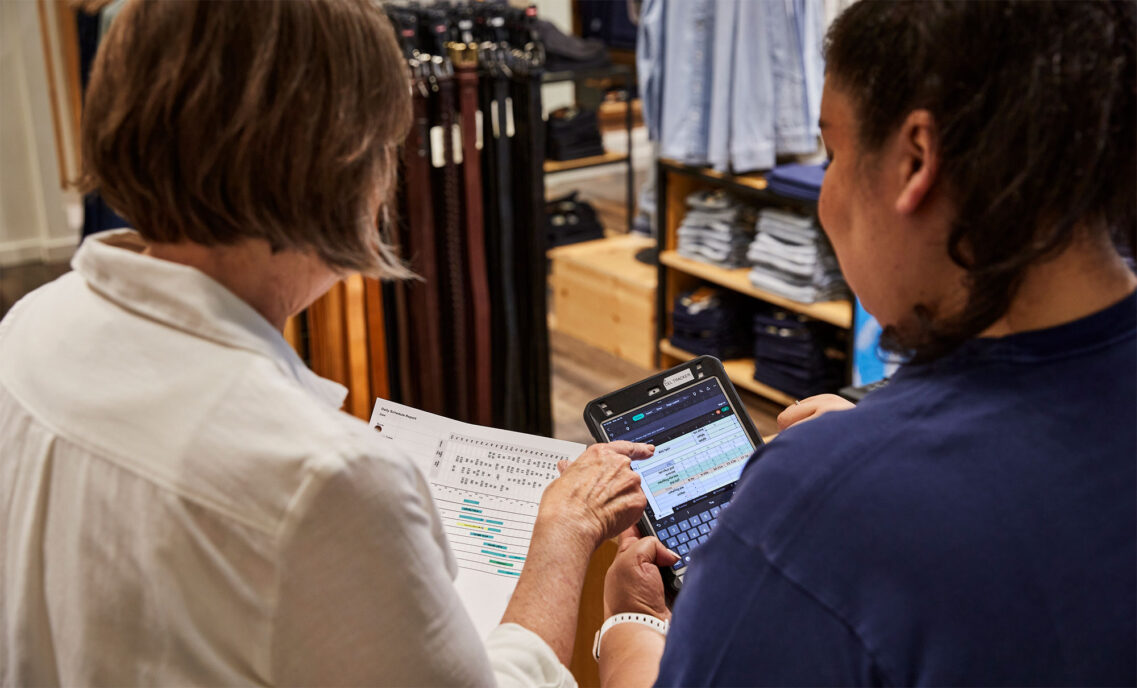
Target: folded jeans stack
(710,321)
(791,257)
(796,355)
(716,230)
(572,134)
(569,220)
(802,182)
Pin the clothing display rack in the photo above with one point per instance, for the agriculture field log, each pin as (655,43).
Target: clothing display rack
(612,74)
(470,339)
(679,274)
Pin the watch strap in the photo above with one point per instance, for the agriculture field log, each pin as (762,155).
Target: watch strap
(627,617)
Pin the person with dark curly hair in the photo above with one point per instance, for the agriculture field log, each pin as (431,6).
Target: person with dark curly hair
(975,521)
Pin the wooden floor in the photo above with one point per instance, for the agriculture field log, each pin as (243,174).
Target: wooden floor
(582,372)
(18,280)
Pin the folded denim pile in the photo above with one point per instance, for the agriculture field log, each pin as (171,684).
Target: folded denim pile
(572,134)
(569,220)
(711,321)
(791,257)
(797,355)
(797,181)
(716,230)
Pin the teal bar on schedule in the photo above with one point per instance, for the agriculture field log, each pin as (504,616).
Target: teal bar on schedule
(512,573)
(481,535)
(470,501)
(472,511)
(514,556)
(494,544)
(496,523)
(496,530)
(471,518)
(492,554)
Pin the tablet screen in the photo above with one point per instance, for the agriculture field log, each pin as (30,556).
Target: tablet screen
(700,450)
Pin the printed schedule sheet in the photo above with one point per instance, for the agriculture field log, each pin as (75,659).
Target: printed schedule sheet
(486,484)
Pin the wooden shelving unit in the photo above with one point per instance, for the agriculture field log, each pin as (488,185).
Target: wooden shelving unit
(677,274)
(552,166)
(839,313)
(604,75)
(740,370)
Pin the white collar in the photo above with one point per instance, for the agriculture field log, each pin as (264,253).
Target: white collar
(187,299)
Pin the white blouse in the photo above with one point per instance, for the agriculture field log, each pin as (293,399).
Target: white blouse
(183,503)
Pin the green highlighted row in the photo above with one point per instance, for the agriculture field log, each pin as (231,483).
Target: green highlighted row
(500,563)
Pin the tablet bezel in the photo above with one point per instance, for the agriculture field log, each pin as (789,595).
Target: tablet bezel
(690,373)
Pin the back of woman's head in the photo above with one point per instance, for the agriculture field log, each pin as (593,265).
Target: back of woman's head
(1035,105)
(213,122)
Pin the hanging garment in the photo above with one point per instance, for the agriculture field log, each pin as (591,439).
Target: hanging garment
(739,82)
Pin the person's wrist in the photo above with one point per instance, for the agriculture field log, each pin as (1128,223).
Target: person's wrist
(620,629)
(635,607)
(568,532)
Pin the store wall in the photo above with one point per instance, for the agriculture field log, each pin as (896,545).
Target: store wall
(34,222)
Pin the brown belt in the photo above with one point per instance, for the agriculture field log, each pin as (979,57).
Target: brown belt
(455,282)
(479,356)
(423,298)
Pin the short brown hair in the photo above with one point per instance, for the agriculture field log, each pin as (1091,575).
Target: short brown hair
(214,122)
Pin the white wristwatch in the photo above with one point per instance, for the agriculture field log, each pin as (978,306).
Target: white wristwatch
(645,619)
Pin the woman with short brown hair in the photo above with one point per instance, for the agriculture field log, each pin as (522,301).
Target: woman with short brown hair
(182,500)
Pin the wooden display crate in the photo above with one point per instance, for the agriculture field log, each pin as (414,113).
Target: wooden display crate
(603,296)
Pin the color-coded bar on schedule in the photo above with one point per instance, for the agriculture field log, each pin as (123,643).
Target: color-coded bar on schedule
(472,511)
(471,501)
(481,535)
(500,563)
(496,523)
(471,518)
(512,573)
(514,556)
(495,530)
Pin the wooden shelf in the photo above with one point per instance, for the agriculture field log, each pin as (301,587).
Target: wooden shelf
(740,370)
(753,181)
(552,166)
(839,313)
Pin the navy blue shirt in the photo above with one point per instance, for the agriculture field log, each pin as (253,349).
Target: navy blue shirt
(973,523)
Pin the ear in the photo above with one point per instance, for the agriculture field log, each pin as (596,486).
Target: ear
(919,160)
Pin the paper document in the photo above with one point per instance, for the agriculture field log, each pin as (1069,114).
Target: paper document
(487,484)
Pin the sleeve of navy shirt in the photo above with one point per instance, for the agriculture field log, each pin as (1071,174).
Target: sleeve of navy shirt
(970,524)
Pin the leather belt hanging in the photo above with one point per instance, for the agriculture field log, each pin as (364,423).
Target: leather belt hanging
(512,396)
(479,356)
(423,296)
(458,336)
(531,213)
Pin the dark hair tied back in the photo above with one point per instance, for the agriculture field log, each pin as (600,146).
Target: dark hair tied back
(1034,104)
